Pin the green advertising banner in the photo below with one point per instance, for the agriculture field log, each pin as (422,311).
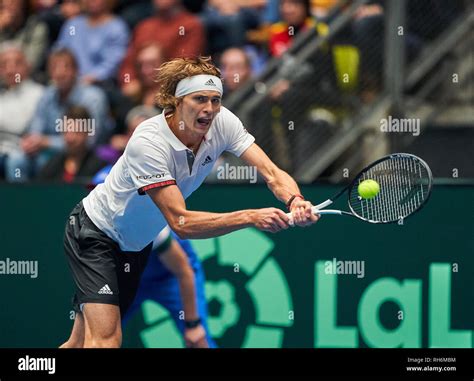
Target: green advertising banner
(340,283)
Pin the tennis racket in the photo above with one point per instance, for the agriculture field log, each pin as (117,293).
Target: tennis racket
(405,183)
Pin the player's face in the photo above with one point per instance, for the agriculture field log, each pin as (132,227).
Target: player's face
(198,110)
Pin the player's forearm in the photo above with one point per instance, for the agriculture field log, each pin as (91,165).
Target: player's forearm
(195,225)
(282,185)
(187,291)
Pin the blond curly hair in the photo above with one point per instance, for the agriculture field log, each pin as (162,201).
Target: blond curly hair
(171,72)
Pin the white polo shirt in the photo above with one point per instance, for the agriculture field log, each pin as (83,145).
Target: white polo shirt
(155,157)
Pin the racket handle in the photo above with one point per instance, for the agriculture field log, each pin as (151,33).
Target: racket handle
(315,211)
(327,211)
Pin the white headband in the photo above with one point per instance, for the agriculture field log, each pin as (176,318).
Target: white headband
(198,83)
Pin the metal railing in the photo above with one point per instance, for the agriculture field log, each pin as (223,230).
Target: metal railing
(313,131)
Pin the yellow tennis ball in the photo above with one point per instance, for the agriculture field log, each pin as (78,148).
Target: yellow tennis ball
(368,189)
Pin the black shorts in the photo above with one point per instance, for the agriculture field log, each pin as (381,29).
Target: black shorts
(102,272)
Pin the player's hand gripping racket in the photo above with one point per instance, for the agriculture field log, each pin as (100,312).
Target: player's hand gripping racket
(404,181)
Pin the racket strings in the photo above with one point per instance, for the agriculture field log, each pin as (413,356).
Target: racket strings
(404,186)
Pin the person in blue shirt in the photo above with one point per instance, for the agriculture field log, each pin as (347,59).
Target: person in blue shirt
(98,39)
(44,136)
(174,278)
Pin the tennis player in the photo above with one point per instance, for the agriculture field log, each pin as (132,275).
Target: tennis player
(109,234)
(174,278)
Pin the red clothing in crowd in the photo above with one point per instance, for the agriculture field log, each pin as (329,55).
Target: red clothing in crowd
(281,36)
(181,35)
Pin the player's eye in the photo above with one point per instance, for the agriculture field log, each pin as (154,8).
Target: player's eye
(216,101)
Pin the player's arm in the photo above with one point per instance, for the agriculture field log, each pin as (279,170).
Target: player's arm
(148,168)
(176,261)
(195,224)
(282,185)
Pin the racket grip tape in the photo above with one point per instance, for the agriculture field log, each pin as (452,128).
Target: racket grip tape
(315,211)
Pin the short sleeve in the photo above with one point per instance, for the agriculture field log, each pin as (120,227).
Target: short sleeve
(237,137)
(148,165)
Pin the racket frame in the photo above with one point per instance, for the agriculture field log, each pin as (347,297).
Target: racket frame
(319,209)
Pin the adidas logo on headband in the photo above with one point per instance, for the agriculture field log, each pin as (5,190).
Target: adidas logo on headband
(200,82)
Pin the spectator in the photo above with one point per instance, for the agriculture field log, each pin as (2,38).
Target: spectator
(144,88)
(98,40)
(362,39)
(17,25)
(297,81)
(111,152)
(78,162)
(55,12)
(178,32)
(43,138)
(236,69)
(367,32)
(426,20)
(134,11)
(226,22)
(19,96)
(296,17)
(270,13)
(321,9)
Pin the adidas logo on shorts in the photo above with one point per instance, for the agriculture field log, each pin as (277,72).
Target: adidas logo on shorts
(210,82)
(106,290)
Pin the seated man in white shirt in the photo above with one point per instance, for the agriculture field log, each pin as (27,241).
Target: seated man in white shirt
(109,234)
(19,96)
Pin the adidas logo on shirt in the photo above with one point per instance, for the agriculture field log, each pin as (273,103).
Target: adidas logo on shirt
(210,82)
(106,290)
(206,161)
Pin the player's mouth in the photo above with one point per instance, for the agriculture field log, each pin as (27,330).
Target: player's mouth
(204,122)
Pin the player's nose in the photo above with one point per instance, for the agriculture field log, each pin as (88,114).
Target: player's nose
(207,109)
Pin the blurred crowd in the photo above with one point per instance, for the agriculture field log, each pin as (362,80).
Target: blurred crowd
(77,76)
